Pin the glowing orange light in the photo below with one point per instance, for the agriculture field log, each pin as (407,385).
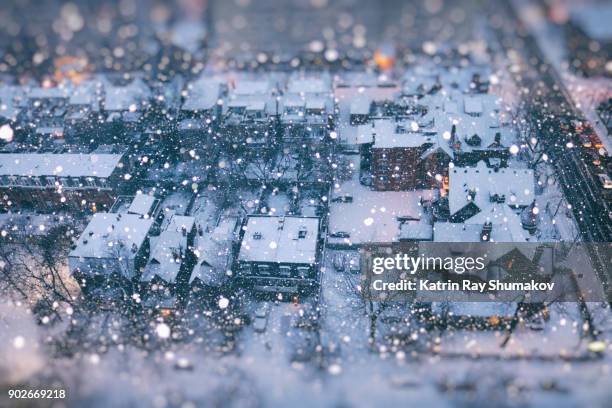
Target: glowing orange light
(383,60)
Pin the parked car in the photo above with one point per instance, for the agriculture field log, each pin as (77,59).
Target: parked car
(585,140)
(354,263)
(595,141)
(260,322)
(339,262)
(346,198)
(340,234)
(605,180)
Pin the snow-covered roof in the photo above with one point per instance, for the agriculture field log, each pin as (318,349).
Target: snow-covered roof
(112,236)
(360,105)
(416,230)
(142,204)
(506,228)
(256,105)
(11,97)
(166,257)
(308,85)
(472,104)
(517,185)
(371,216)
(386,135)
(213,251)
(87,93)
(120,98)
(315,103)
(252,87)
(57,92)
(202,94)
(191,124)
(59,165)
(280,239)
(180,223)
(364,134)
(168,249)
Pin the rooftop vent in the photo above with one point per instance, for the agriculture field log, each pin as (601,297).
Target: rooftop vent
(257,236)
(485,234)
(302,232)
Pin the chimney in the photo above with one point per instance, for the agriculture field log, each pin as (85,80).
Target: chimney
(453,134)
(485,234)
(471,194)
(497,138)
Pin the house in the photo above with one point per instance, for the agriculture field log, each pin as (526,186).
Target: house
(406,157)
(250,114)
(200,111)
(472,127)
(125,103)
(359,110)
(359,215)
(171,253)
(43,116)
(12,98)
(476,189)
(144,205)
(48,180)
(214,254)
(497,223)
(280,254)
(83,112)
(201,98)
(111,244)
(307,111)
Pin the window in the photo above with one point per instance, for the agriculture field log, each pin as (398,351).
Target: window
(284,271)
(303,272)
(294,110)
(263,269)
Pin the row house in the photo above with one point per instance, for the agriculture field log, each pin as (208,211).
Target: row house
(125,103)
(250,115)
(200,111)
(308,111)
(280,254)
(48,180)
(111,245)
(171,257)
(12,99)
(44,112)
(83,113)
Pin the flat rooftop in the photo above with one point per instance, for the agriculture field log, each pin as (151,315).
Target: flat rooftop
(58,165)
(280,239)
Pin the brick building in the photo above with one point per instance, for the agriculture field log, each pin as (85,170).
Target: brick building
(406,160)
(49,180)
